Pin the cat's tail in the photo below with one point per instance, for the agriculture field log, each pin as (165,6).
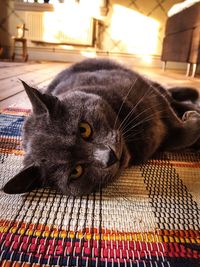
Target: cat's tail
(184,93)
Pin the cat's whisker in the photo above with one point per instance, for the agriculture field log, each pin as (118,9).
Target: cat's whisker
(136,133)
(124,130)
(126,137)
(131,112)
(100,185)
(136,139)
(134,119)
(148,118)
(103,181)
(132,134)
(125,98)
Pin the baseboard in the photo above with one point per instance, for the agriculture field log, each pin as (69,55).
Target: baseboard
(75,55)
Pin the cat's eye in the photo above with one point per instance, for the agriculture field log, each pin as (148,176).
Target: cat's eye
(77,172)
(85,130)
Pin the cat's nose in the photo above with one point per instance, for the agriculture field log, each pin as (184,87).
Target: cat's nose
(112,159)
(105,156)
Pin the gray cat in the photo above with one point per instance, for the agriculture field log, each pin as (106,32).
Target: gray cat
(96,118)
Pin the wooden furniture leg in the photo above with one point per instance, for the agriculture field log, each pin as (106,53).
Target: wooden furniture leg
(25,55)
(164,64)
(188,69)
(23,42)
(194,68)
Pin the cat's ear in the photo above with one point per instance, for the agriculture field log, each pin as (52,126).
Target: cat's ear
(25,181)
(41,103)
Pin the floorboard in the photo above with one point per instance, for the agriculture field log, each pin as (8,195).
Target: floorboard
(33,75)
(10,71)
(40,74)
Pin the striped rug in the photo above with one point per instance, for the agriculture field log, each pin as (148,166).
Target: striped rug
(148,217)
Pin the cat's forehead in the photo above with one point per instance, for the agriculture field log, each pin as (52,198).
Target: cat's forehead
(79,109)
(81,101)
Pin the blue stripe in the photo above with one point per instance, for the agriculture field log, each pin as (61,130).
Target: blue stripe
(10,125)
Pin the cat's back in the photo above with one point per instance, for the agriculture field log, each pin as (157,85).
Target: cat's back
(91,73)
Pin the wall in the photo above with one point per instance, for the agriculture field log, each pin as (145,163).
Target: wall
(129,15)
(131,27)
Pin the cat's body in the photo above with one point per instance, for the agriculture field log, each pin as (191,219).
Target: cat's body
(105,117)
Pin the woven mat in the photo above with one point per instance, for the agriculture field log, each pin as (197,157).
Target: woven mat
(148,217)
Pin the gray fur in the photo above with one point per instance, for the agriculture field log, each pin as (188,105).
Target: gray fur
(131,118)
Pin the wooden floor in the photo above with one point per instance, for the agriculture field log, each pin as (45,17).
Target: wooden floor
(39,74)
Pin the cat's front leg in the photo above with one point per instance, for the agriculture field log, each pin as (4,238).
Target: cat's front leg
(187,134)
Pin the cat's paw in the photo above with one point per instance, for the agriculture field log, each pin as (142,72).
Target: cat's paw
(191,115)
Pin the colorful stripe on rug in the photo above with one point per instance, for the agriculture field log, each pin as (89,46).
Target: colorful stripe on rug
(148,217)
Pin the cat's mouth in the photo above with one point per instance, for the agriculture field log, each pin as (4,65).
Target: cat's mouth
(124,158)
(119,154)
(113,157)
(119,157)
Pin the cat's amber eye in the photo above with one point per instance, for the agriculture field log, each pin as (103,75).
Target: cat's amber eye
(77,172)
(85,130)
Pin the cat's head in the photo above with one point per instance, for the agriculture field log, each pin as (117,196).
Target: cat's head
(73,144)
